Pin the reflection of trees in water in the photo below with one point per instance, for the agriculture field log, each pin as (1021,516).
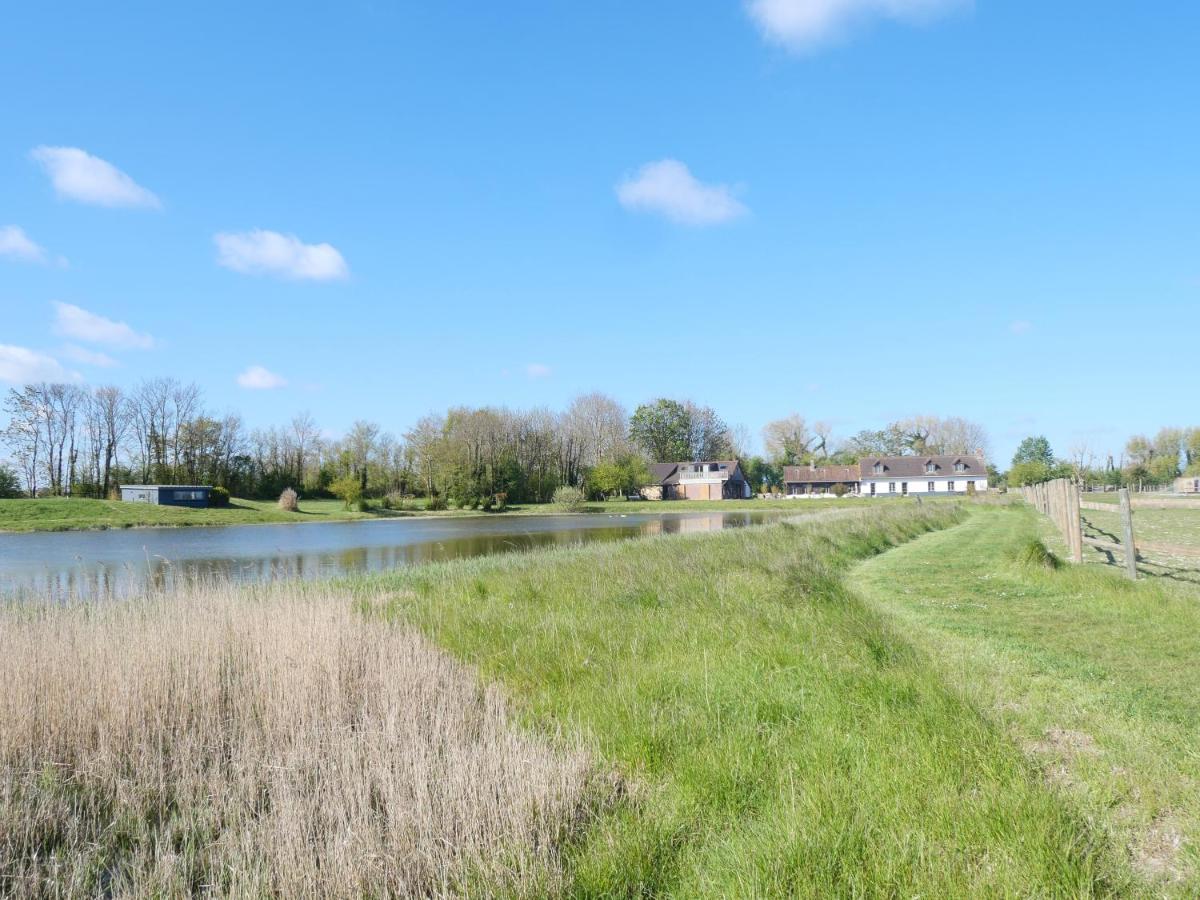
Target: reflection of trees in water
(82,579)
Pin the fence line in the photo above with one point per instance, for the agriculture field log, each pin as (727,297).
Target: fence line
(1060,502)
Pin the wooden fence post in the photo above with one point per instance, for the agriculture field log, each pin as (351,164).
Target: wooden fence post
(1127,529)
(1076,522)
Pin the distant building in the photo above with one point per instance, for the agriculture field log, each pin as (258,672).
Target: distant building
(194,495)
(720,479)
(1188,484)
(902,475)
(799,481)
(889,476)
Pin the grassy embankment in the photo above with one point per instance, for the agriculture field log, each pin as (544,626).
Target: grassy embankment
(73,514)
(1093,675)
(770,734)
(778,737)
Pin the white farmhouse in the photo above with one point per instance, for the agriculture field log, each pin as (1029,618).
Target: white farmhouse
(892,476)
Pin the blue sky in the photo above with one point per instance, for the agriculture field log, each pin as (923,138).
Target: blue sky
(850,209)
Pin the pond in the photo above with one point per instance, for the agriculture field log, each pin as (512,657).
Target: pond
(90,564)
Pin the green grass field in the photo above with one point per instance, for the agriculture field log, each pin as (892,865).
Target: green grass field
(776,736)
(1172,536)
(1094,676)
(67,514)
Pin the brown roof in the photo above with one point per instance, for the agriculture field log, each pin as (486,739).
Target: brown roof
(915,466)
(820,474)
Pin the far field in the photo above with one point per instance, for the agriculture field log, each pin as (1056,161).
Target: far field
(72,514)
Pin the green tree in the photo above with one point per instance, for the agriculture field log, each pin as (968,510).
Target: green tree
(1034,449)
(663,429)
(10,483)
(623,474)
(1032,471)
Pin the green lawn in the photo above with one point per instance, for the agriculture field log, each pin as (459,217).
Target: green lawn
(1093,675)
(772,734)
(65,514)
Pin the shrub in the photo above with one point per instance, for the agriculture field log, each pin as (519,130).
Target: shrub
(218,496)
(435,503)
(397,500)
(839,490)
(362,504)
(289,500)
(500,501)
(569,497)
(10,484)
(1036,555)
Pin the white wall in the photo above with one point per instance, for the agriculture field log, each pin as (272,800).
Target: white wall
(920,484)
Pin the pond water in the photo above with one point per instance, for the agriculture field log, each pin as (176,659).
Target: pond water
(89,564)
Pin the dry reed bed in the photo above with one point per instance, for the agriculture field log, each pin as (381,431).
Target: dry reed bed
(275,741)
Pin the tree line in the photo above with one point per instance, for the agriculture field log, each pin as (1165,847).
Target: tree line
(1146,461)
(73,440)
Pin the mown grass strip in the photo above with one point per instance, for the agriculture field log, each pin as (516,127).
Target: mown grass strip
(777,736)
(1093,675)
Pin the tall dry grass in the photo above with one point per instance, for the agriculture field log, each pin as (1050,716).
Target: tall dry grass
(259,743)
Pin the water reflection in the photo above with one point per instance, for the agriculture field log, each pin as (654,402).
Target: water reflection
(117,563)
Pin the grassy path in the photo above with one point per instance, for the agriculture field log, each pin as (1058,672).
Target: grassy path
(1093,676)
(775,736)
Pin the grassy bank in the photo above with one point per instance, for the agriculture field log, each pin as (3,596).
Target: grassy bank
(1093,675)
(778,737)
(74,514)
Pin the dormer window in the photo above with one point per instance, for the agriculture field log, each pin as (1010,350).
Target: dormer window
(930,467)
(878,468)
(960,466)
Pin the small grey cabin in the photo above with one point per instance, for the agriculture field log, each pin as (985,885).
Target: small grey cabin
(167,494)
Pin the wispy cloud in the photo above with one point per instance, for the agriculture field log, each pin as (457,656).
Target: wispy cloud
(802,25)
(77,175)
(262,252)
(72,321)
(1020,326)
(668,188)
(16,244)
(538,370)
(260,378)
(87,357)
(20,365)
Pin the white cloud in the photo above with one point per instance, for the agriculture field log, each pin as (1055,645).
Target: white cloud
(78,175)
(1021,327)
(538,370)
(259,378)
(262,252)
(667,187)
(802,24)
(20,365)
(16,244)
(86,357)
(74,322)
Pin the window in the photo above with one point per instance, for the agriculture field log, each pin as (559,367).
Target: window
(930,467)
(932,487)
(960,466)
(970,485)
(189,495)
(878,468)
(872,489)
(904,488)
(950,485)
(891,487)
